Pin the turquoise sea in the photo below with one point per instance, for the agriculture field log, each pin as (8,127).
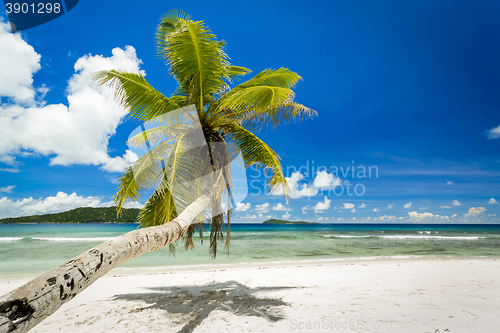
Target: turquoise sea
(27,249)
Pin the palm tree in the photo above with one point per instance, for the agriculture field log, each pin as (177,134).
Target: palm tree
(226,118)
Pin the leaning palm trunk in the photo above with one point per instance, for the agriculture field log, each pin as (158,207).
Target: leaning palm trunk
(28,305)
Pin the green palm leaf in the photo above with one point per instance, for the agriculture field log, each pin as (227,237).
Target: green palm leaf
(137,96)
(256,152)
(195,57)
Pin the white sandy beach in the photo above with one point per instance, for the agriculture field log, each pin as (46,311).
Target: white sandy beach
(417,295)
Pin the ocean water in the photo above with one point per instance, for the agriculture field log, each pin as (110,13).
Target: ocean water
(27,249)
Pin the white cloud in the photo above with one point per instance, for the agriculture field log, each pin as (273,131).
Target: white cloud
(52,204)
(18,63)
(281,207)
(304,209)
(494,133)
(322,181)
(7,189)
(119,164)
(445,206)
(75,134)
(420,216)
(242,207)
(363,205)
(449,182)
(348,205)
(385,218)
(456,203)
(389,206)
(297,190)
(264,208)
(376,209)
(492,201)
(407,205)
(475,211)
(286,215)
(353,210)
(423,208)
(325,181)
(321,206)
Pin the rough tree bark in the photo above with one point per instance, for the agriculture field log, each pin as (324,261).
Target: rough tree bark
(28,305)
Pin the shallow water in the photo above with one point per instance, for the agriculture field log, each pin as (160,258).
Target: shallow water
(36,248)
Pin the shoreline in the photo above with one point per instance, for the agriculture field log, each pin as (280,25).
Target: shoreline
(149,270)
(425,292)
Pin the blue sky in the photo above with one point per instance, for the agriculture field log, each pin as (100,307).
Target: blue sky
(408,88)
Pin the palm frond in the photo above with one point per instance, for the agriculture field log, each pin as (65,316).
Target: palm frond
(255,99)
(268,90)
(171,20)
(281,77)
(276,116)
(237,71)
(255,152)
(137,96)
(195,57)
(159,209)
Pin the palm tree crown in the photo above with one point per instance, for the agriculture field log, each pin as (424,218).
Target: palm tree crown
(227,117)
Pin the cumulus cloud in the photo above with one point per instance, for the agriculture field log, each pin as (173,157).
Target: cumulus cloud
(304,209)
(242,207)
(445,206)
(423,208)
(492,201)
(494,133)
(353,210)
(298,189)
(384,218)
(18,63)
(347,205)
(78,133)
(325,181)
(449,182)
(456,203)
(475,211)
(264,208)
(389,206)
(321,206)
(420,216)
(7,189)
(286,215)
(52,204)
(279,206)
(363,205)
(407,205)
(376,209)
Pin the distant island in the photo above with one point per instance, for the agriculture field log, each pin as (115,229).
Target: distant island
(80,215)
(275,221)
(102,215)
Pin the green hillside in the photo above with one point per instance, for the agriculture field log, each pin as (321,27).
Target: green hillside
(80,215)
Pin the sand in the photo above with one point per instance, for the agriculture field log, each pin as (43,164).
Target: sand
(417,295)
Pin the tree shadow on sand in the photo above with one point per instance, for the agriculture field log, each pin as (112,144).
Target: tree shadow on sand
(197,302)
